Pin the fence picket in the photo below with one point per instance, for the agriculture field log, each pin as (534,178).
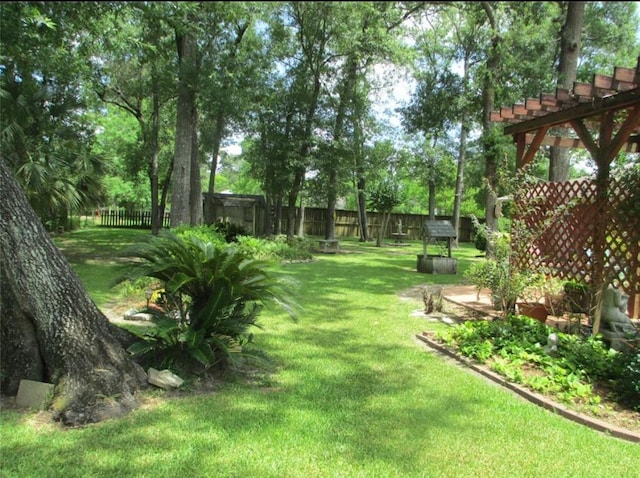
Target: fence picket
(134,219)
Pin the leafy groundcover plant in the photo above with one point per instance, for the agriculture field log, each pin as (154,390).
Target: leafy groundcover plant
(211,296)
(517,348)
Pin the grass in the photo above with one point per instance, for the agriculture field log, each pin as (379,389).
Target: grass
(93,254)
(353,394)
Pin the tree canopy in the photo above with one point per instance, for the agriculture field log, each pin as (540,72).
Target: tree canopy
(100,108)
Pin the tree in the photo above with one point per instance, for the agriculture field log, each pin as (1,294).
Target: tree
(432,111)
(443,97)
(465,38)
(130,65)
(567,73)
(46,137)
(183,171)
(233,64)
(50,328)
(287,119)
(488,102)
(384,198)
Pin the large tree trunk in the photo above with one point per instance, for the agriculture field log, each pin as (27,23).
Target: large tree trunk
(215,150)
(384,222)
(567,74)
(361,184)
(330,223)
(268,224)
(220,117)
(165,193)
(432,197)
(51,329)
(292,199)
(488,100)
(462,151)
(277,219)
(180,207)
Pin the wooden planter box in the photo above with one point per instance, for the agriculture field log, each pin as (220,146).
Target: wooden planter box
(437,264)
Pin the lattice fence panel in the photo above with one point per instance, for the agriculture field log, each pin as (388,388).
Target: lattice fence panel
(559,221)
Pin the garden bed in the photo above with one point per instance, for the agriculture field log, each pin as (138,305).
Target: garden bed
(607,416)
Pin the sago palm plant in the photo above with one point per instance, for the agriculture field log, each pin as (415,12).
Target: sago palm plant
(214,293)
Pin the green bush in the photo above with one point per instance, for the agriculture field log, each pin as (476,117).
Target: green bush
(212,297)
(270,248)
(589,355)
(626,380)
(497,274)
(480,239)
(203,232)
(230,230)
(517,342)
(276,247)
(297,248)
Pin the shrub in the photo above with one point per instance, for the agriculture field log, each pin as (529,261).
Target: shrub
(296,248)
(205,233)
(519,342)
(276,247)
(497,274)
(589,355)
(230,230)
(213,295)
(626,382)
(480,235)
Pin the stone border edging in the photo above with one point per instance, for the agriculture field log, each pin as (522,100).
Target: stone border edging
(536,398)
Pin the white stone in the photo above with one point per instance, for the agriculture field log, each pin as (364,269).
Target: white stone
(139,316)
(164,379)
(33,394)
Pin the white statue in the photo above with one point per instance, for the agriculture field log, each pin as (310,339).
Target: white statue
(614,311)
(552,344)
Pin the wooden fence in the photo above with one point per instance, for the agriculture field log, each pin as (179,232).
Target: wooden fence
(346,222)
(134,219)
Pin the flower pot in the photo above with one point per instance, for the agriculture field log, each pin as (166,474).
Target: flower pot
(535,311)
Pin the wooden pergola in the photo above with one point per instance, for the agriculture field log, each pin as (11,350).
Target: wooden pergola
(604,118)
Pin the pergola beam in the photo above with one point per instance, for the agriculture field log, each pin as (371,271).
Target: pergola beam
(597,106)
(631,145)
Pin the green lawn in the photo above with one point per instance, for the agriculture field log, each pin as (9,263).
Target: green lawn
(353,394)
(93,253)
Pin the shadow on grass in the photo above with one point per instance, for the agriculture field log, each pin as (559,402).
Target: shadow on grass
(98,242)
(345,392)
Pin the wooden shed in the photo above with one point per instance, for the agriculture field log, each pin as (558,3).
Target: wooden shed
(248,211)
